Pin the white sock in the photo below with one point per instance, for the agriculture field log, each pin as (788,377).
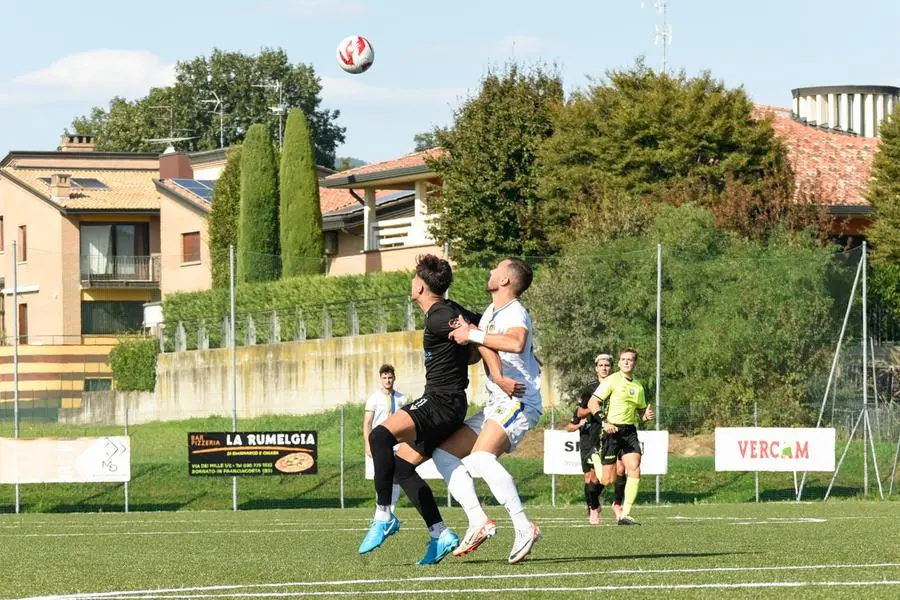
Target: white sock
(395,495)
(461,485)
(502,487)
(437,529)
(382,513)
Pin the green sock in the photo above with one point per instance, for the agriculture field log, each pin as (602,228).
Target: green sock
(631,490)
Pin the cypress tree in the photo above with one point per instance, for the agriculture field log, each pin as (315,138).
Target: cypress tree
(223,217)
(302,245)
(257,249)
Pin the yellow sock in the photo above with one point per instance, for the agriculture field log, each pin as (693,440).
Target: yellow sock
(631,491)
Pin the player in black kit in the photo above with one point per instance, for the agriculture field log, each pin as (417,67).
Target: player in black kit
(423,425)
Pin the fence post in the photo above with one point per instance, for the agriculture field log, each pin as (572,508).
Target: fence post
(553,476)
(354,318)
(326,323)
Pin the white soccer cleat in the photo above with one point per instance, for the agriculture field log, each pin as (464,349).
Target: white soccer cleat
(525,540)
(475,536)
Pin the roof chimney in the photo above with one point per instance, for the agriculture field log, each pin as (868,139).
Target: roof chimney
(76,143)
(60,187)
(175,165)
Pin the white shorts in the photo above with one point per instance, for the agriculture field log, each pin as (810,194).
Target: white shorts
(513,415)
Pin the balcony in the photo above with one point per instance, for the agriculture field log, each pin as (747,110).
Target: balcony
(403,232)
(99,271)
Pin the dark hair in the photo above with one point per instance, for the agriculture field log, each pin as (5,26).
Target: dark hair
(435,272)
(521,274)
(386,368)
(629,351)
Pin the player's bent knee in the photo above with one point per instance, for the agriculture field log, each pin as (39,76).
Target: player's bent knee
(380,437)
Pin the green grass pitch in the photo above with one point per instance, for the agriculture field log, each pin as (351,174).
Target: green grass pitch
(838,549)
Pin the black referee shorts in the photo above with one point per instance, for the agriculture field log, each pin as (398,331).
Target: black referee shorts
(618,444)
(589,445)
(437,415)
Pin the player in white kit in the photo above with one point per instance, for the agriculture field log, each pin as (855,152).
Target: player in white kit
(500,426)
(380,405)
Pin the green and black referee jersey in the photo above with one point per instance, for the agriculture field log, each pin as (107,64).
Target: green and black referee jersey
(623,398)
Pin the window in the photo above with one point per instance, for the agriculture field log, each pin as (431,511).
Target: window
(97,385)
(106,317)
(22,254)
(23,323)
(190,247)
(114,250)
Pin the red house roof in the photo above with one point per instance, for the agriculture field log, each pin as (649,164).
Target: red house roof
(833,166)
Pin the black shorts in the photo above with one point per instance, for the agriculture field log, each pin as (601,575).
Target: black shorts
(589,445)
(618,444)
(437,415)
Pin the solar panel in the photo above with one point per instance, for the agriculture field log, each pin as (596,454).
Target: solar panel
(89,183)
(199,187)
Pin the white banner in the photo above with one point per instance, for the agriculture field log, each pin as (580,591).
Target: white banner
(54,460)
(562,452)
(774,449)
(426,470)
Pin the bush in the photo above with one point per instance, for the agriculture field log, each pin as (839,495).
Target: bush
(133,363)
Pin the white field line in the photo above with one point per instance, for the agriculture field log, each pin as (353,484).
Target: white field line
(596,588)
(134,594)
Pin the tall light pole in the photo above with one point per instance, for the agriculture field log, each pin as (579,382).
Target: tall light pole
(220,108)
(279,108)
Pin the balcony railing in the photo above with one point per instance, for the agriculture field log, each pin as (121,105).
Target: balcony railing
(98,270)
(406,231)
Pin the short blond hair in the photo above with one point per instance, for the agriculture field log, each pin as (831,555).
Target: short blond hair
(603,357)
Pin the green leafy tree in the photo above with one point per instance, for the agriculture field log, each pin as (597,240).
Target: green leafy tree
(258,247)
(743,321)
(488,203)
(302,246)
(426,140)
(133,364)
(126,125)
(884,232)
(668,138)
(223,217)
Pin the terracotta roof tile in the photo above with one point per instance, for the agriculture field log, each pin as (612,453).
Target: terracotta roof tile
(408,160)
(128,189)
(833,166)
(332,199)
(186,194)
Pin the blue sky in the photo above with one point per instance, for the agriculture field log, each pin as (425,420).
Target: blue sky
(60,60)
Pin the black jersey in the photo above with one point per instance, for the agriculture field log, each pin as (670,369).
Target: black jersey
(446,362)
(591,428)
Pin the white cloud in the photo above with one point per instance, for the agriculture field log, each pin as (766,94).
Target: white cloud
(315,8)
(344,90)
(96,74)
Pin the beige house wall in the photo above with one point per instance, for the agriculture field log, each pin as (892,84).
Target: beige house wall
(176,219)
(40,275)
(391,259)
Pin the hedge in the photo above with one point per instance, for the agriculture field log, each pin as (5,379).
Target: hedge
(379,298)
(133,363)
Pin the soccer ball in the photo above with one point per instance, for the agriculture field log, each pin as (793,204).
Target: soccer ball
(355,54)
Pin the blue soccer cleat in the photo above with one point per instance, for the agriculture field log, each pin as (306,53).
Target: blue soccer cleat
(439,548)
(378,532)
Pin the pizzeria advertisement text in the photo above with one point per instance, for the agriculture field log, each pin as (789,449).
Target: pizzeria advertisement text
(230,453)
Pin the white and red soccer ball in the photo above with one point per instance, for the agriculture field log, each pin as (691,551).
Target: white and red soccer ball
(355,54)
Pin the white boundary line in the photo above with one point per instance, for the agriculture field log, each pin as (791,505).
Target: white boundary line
(597,588)
(135,594)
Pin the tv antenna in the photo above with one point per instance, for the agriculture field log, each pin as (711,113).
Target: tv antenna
(219,108)
(663,31)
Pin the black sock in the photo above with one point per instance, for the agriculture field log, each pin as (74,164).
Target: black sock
(418,492)
(594,490)
(381,442)
(619,495)
(587,494)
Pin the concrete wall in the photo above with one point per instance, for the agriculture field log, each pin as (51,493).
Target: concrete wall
(293,378)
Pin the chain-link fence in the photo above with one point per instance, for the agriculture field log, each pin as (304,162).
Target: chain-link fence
(765,357)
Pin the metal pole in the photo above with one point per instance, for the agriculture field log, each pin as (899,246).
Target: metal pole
(894,468)
(553,476)
(15,320)
(865,374)
(658,338)
(834,362)
(342,456)
(129,445)
(221,125)
(234,483)
(868,423)
(756,473)
(843,456)
(875,391)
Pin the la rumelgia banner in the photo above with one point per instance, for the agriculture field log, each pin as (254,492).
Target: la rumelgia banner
(253,453)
